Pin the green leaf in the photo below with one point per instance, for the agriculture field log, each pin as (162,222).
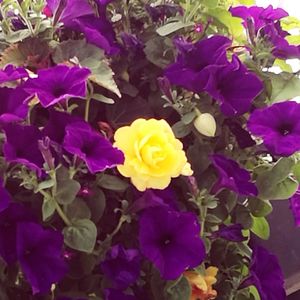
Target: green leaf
(17,36)
(171,27)
(66,189)
(243,216)
(254,292)
(210,3)
(259,208)
(178,290)
(189,117)
(78,209)
(111,182)
(97,203)
(293,39)
(181,130)
(81,235)
(103,99)
(44,185)
(48,208)
(233,24)
(276,183)
(261,227)
(284,86)
(289,23)
(283,65)
(88,56)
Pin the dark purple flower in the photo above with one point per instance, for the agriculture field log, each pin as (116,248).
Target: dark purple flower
(260,16)
(9,219)
(112,294)
(39,252)
(96,151)
(58,83)
(56,125)
(21,146)
(234,87)
(163,11)
(191,69)
(12,106)
(121,266)
(295,207)
(11,73)
(232,176)
(231,233)
(153,198)
(5,198)
(242,136)
(266,275)
(173,247)
(279,127)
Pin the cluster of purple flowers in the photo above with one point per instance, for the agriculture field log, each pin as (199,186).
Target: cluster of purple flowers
(167,229)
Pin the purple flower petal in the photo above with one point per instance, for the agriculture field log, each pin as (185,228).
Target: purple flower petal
(97,152)
(11,73)
(5,198)
(295,207)
(231,233)
(266,275)
(232,176)
(12,107)
(58,83)
(121,266)
(279,127)
(21,146)
(40,254)
(173,247)
(9,218)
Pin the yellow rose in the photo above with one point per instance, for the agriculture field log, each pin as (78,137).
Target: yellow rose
(152,154)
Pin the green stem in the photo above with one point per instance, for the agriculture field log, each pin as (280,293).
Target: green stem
(87,109)
(62,214)
(203,217)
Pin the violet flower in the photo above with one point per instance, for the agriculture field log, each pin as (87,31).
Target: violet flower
(96,151)
(58,83)
(295,207)
(21,146)
(191,69)
(234,87)
(171,240)
(266,275)
(11,73)
(231,233)
(232,177)
(39,252)
(5,198)
(121,266)
(279,127)
(12,106)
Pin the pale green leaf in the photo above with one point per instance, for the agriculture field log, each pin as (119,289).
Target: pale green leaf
(260,227)
(171,27)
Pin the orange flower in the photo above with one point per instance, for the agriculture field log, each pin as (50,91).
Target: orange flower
(202,284)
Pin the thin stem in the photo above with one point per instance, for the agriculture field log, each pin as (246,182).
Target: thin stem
(62,214)
(87,109)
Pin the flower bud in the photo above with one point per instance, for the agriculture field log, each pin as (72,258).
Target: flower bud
(206,124)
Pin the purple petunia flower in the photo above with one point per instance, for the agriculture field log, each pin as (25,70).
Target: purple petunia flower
(295,207)
(12,106)
(232,176)
(266,24)
(242,136)
(11,73)
(121,266)
(231,233)
(58,83)
(234,87)
(260,16)
(112,294)
(153,198)
(173,247)
(5,198)
(191,69)
(39,252)
(266,275)
(9,219)
(279,127)
(21,146)
(97,152)
(57,123)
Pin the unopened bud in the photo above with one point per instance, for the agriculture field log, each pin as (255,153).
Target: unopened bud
(206,124)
